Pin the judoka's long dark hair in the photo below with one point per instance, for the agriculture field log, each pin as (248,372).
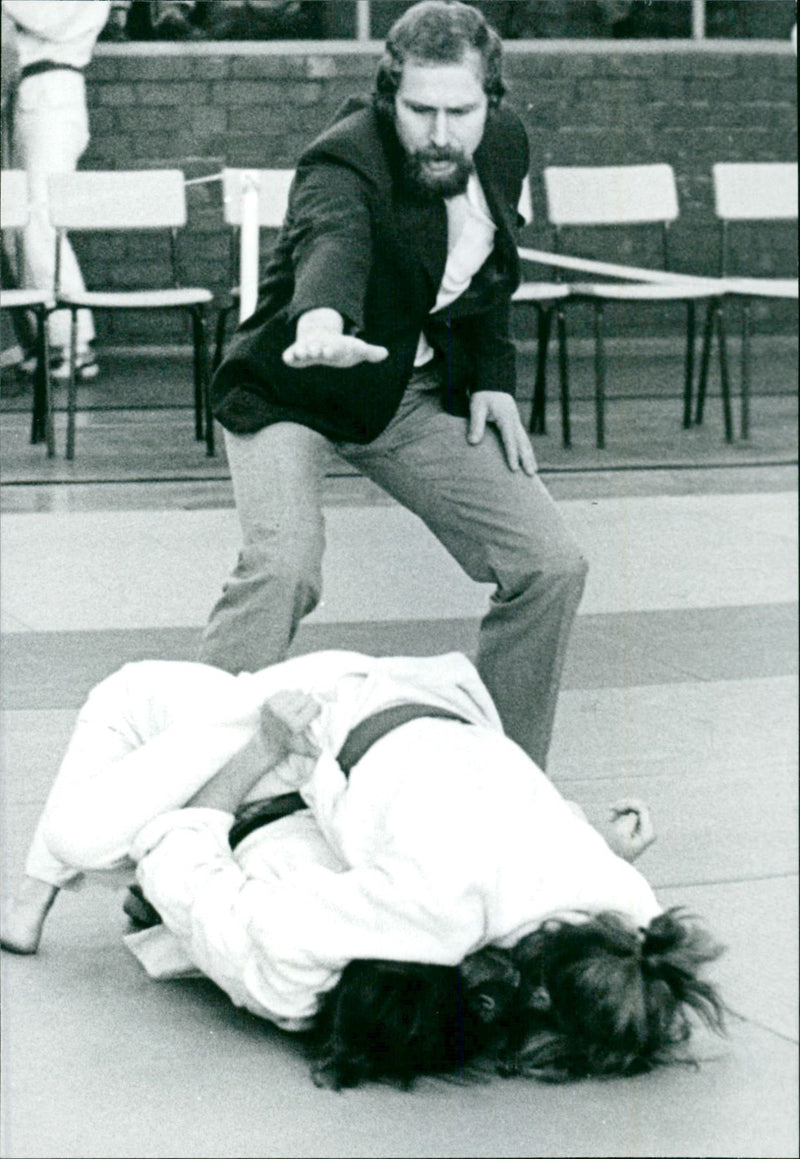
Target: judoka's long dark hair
(598,997)
(438,32)
(393,1021)
(591,996)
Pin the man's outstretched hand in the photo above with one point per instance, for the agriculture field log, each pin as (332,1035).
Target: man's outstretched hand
(340,351)
(320,341)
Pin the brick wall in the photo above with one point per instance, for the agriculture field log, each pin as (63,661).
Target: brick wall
(199,107)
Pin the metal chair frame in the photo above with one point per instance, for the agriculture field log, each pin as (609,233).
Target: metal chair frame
(745,192)
(543,296)
(131,202)
(632,195)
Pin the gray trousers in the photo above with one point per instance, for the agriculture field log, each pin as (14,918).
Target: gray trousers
(501,526)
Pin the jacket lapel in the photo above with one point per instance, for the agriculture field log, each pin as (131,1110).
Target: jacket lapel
(490,170)
(424,225)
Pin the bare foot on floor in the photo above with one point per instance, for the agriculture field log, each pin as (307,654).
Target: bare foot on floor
(23,916)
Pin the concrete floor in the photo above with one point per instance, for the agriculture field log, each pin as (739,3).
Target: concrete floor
(681,686)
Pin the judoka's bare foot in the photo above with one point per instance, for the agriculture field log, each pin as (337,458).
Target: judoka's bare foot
(23,916)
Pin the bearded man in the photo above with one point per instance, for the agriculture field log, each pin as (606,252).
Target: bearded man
(382,335)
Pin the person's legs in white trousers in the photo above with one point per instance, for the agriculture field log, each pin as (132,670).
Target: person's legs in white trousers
(51,132)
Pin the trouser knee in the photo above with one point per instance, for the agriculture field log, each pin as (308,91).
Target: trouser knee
(560,573)
(571,569)
(262,604)
(286,573)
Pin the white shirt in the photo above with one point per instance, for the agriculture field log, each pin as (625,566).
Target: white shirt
(446,838)
(470,240)
(64,31)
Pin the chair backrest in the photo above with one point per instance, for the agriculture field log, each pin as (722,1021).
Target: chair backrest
(14,209)
(117,200)
(273,195)
(755,191)
(610,194)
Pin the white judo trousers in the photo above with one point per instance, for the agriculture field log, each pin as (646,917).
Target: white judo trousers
(51,133)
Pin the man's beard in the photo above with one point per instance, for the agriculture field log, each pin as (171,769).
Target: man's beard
(431,185)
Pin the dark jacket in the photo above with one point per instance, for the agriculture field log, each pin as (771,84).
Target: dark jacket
(359,240)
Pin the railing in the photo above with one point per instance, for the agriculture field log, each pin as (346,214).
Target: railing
(364,21)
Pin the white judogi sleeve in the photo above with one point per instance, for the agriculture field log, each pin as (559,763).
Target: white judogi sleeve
(149,736)
(275,946)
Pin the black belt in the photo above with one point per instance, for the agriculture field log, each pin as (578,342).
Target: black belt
(255,814)
(46,66)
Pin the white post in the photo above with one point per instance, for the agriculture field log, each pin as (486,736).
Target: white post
(698,19)
(362,20)
(248,245)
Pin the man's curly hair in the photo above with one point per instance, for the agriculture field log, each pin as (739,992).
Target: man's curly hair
(438,32)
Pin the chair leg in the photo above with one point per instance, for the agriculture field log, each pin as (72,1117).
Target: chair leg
(745,385)
(44,385)
(563,376)
(49,423)
(199,405)
(24,333)
(38,409)
(599,377)
(72,385)
(724,378)
(538,423)
(202,379)
(705,358)
(219,339)
(688,381)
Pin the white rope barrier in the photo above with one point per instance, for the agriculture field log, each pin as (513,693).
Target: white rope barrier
(202,180)
(629,273)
